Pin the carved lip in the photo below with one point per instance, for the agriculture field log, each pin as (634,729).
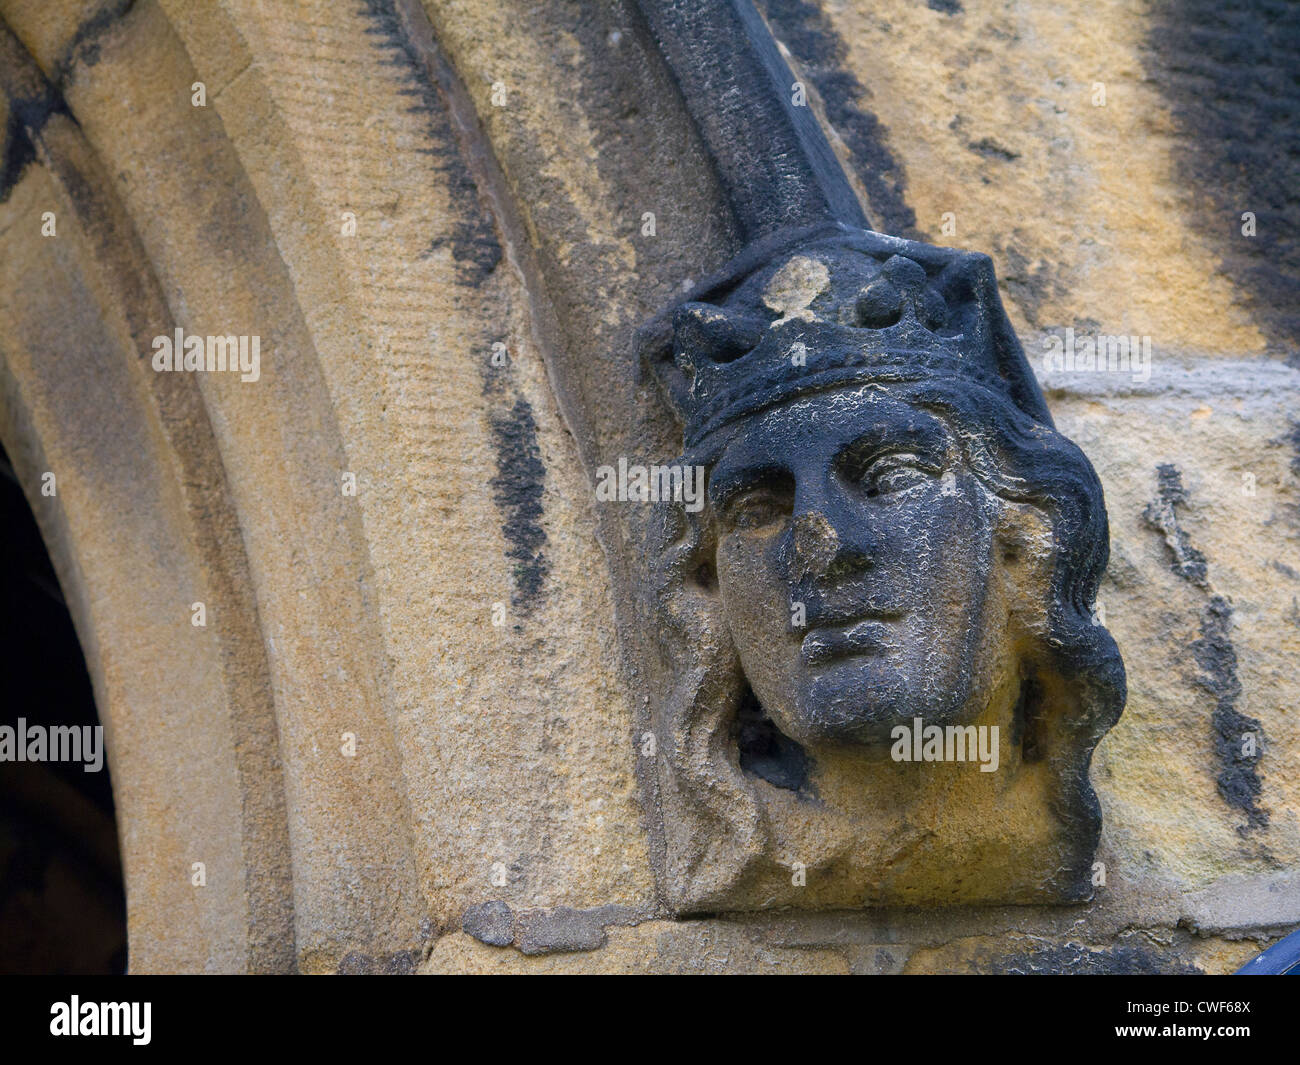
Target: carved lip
(866,636)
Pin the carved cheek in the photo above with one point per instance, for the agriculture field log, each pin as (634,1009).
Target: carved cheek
(749,565)
(956,557)
(940,540)
(755,594)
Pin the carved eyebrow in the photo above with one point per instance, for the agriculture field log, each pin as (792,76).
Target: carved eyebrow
(927,436)
(735,480)
(921,433)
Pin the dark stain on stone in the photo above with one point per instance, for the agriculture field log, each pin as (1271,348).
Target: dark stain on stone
(1228,71)
(1028,284)
(517,491)
(402,963)
(16,154)
(473,241)
(822,54)
(1238,778)
(1161,514)
(476,253)
(492,923)
(945,7)
(28,114)
(991,149)
(1075,959)
(83,49)
(1285,570)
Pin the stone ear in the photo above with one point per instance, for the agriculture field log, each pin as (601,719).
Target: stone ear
(682,547)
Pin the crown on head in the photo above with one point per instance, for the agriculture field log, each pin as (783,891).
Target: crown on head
(835,309)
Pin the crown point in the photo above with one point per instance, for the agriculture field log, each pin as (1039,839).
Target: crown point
(879,306)
(703,329)
(904,272)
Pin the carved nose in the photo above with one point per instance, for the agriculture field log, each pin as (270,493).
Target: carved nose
(820,548)
(900,285)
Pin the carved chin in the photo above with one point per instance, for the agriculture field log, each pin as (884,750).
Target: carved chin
(860,700)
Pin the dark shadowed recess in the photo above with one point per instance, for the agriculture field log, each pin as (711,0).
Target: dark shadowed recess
(1230,71)
(62,907)
(765,750)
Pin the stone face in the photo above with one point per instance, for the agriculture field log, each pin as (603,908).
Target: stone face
(899,554)
(383,192)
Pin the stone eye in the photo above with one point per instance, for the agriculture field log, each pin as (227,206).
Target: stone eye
(762,504)
(757,509)
(894,473)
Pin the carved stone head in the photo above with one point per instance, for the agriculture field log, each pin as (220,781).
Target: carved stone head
(897,549)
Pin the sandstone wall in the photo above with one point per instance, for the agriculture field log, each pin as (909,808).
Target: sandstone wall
(385,191)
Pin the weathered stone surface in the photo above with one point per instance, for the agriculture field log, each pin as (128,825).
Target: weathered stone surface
(1095,212)
(499,761)
(1200,483)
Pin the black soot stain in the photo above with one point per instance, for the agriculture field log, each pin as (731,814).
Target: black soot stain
(517,491)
